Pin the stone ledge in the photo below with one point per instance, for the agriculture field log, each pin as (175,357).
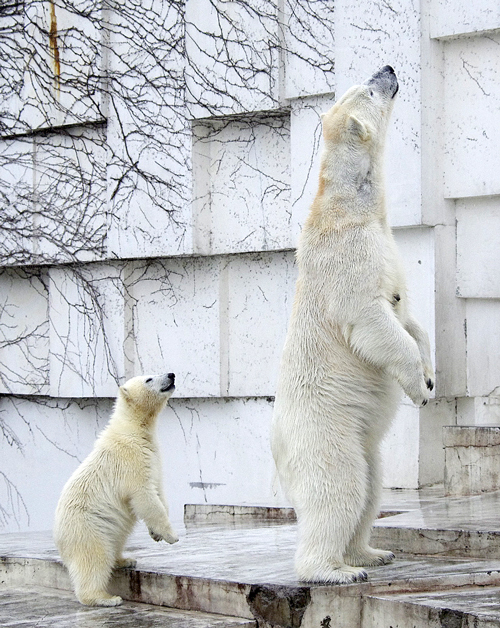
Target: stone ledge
(471,435)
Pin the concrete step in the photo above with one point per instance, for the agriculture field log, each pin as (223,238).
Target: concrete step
(472,459)
(462,608)
(42,607)
(451,526)
(245,573)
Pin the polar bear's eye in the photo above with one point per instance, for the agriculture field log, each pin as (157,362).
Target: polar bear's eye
(150,379)
(371,92)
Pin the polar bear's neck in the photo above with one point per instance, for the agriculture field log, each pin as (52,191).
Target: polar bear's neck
(351,187)
(134,418)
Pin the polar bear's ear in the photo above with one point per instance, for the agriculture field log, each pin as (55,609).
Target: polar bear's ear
(125,392)
(359,128)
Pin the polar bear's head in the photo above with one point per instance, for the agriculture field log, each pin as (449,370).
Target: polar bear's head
(147,395)
(361,114)
(354,132)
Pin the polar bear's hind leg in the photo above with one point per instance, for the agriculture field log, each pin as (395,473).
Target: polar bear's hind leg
(90,573)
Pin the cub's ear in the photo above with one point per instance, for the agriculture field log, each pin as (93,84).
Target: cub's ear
(359,128)
(125,392)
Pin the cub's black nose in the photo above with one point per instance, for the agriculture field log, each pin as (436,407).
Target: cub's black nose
(387,68)
(172,376)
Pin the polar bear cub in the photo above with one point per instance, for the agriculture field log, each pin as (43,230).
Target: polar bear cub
(351,345)
(117,484)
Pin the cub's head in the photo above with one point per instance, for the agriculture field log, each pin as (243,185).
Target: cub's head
(360,117)
(147,395)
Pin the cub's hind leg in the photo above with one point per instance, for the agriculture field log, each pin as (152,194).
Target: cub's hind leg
(90,572)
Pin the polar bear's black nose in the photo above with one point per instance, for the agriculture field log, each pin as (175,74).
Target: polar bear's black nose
(171,375)
(387,68)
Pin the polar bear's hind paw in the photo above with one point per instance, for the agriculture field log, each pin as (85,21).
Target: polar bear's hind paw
(101,599)
(335,575)
(370,558)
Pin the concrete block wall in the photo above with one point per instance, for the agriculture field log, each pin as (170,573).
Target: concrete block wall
(153,187)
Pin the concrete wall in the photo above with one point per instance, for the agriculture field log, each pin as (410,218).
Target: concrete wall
(157,163)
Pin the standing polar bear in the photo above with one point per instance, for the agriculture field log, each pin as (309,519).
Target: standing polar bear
(117,484)
(351,344)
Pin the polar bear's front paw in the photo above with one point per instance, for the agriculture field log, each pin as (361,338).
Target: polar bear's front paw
(155,536)
(419,392)
(169,537)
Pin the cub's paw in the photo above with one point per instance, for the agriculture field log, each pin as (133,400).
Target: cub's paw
(369,557)
(169,537)
(155,536)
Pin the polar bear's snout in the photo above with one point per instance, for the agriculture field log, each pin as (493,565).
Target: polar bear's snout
(162,383)
(385,81)
(168,383)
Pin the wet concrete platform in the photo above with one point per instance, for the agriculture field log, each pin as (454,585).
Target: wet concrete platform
(42,607)
(247,572)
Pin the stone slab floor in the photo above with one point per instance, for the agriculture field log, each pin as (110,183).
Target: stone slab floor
(446,574)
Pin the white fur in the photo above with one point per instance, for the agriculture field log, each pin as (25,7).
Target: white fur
(118,483)
(350,342)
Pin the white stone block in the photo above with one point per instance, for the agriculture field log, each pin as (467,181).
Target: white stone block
(483,347)
(217,452)
(149,183)
(16,202)
(149,137)
(478,247)
(461,17)
(450,312)
(416,247)
(478,410)
(24,332)
(13,67)
(261,291)
(87,331)
(232,57)
(63,60)
(433,417)
(176,322)
(472,460)
(242,185)
(472,99)
(43,442)
(306,144)
(400,449)
(309,30)
(368,37)
(69,214)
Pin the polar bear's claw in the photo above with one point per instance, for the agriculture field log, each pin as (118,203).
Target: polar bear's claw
(430,384)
